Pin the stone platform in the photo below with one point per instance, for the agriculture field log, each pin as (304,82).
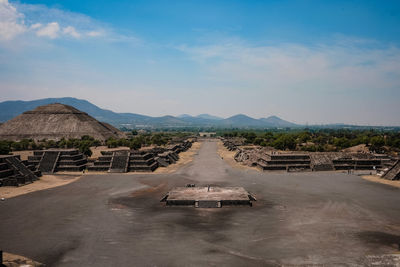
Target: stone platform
(208,197)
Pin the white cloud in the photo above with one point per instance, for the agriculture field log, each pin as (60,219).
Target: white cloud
(51,30)
(11,21)
(94,33)
(292,66)
(36,26)
(17,19)
(71,31)
(342,80)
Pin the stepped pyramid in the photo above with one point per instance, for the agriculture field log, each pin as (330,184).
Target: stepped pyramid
(53,160)
(393,173)
(14,172)
(55,121)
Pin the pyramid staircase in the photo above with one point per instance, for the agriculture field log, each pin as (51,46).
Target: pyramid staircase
(50,161)
(322,161)
(166,158)
(120,161)
(142,161)
(111,161)
(393,173)
(138,160)
(14,173)
(102,163)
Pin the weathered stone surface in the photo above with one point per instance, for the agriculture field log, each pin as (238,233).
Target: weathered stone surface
(207,196)
(393,173)
(56,121)
(53,160)
(14,173)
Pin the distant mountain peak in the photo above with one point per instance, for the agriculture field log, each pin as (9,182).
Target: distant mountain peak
(273,117)
(182,116)
(277,122)
(240,116)
(208,117)
(11,109)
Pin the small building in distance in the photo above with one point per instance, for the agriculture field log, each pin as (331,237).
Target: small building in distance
(54,122)
(208,134)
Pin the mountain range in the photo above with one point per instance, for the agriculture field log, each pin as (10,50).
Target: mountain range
(11,109)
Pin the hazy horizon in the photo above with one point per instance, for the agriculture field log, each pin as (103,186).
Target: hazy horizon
(312,62)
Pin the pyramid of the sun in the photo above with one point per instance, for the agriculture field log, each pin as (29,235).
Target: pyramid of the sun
(55,121)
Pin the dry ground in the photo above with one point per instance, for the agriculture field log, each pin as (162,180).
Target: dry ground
(304,219)
(45,182)
(228,157)
(96,150)
(378,179)
(12,260)
(23,154)
(184,158)
(357,149)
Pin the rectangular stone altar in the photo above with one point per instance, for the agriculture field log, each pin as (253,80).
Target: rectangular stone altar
(208,197)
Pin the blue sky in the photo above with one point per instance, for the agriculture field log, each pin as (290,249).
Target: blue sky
(305,61)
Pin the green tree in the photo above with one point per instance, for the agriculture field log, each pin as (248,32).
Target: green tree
(258,141)
(111,143)
(135,144)
(285,141)
(84,148)
(377,143)
(5,148)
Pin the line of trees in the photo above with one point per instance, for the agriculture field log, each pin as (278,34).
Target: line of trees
(134,141)
(83,144)
(320,140)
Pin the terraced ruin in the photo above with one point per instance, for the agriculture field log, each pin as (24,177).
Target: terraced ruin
(139,160)
(208,213)
(270,159)
(393,173)
(56,160)
(14,172)
(54,122)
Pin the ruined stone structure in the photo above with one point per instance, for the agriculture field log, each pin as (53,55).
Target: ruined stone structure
(103,163)
(179,147)
(142,161)
(50,161)
(284,162)
(321,161)
(348,162)
(266,159)
(166,158)
(125,161)
(14,172)
(393,173)
(56,121)
(120,161)
(232,144)
(208,196)
(139,160)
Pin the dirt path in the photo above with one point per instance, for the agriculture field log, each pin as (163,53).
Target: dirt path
(45,182)
(228,157)
(378,179)
(184,158)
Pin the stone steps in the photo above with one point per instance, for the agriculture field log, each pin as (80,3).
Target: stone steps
(394,172)
(14,173)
